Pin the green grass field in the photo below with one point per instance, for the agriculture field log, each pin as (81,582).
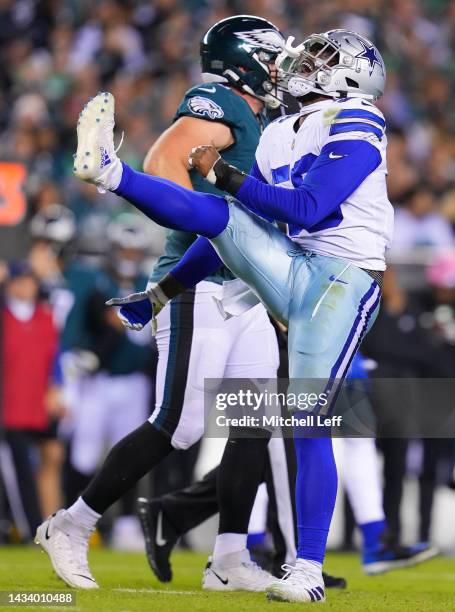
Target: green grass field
(127,584)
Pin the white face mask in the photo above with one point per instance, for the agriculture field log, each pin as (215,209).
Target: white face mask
(23,310)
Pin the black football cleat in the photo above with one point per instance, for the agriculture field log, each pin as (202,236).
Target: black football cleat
(160,537)
(334,582)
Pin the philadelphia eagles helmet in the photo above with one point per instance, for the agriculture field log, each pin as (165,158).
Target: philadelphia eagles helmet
(238,51)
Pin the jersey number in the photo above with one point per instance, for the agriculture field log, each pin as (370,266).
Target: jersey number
(300,168)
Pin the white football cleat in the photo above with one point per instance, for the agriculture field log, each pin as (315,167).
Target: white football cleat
(298,585)
(67,544)
(236,572)
(96,158)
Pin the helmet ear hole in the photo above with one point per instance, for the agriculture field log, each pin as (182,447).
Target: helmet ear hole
(351,83)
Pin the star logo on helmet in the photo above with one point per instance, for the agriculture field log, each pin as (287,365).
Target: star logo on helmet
(370,54)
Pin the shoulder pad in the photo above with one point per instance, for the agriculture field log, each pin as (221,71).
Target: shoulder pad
(354,115)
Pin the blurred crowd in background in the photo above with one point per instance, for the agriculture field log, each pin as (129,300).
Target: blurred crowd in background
(65,248)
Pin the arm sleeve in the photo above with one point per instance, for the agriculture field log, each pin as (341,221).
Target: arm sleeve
(199,261)
(256,173)
(339,170)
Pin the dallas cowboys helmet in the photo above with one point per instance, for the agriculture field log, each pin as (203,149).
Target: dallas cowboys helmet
(337,64)
(237,51)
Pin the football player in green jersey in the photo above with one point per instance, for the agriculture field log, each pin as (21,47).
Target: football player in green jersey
(194,341)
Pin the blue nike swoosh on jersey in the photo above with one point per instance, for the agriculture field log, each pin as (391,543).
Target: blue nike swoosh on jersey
(333,278)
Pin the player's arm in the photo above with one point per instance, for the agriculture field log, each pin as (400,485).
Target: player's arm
(168,156)
(339,170)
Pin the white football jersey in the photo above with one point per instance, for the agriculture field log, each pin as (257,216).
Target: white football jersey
(361,230)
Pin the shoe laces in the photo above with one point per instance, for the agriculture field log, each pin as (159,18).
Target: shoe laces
(108,130)
(293,574)
(120,143)
(288,570)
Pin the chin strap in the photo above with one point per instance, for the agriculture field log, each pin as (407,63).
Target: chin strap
(270,100)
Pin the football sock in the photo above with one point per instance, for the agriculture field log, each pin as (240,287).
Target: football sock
(316,489)
(241,471)
(255,539)
(371,533)
(126,463)
(83,515)
(227,543)
(361,480)
(173,206)
(232,559)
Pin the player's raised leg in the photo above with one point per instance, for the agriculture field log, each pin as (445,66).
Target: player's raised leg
(165,202)
(251,247)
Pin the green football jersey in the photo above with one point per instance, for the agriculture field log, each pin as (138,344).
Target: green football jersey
(214,102)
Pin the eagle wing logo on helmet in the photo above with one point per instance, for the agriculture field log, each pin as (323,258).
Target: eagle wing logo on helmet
(205,107)
(269,40)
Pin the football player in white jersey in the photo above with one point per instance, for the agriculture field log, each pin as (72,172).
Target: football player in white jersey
(323,172)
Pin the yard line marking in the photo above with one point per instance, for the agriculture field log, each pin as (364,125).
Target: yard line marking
(158,591)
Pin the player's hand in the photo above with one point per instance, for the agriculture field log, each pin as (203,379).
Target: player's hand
(203,158)
(137,309)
